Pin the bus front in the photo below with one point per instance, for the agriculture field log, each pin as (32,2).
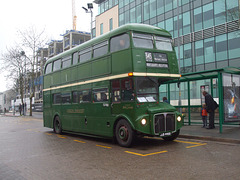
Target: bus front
(154,62)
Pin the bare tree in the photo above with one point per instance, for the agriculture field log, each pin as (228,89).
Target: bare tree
(31,40)
(14,64)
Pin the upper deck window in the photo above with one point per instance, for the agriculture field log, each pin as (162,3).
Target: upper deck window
(48,68)
(100,49)
(57,65)
(143,40)
(75,58)
(119,43)
(164,44)
(85,55)
(66,62)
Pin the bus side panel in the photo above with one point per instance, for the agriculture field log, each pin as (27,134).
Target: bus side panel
(121,62)
(56,78)
(47,81)
(173,63)
(84,71)
(101,66)
(47,110)
(66,75)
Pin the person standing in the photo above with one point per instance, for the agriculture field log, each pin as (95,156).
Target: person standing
(204,115)
(20,109)
(211,107)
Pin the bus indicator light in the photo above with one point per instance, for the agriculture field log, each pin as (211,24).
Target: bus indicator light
(130,74)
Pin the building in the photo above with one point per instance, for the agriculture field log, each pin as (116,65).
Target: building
(55,47)
(73,38)
(41,58)
(5,100)
(209,30)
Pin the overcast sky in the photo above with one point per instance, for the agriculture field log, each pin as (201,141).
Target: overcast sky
(55,16)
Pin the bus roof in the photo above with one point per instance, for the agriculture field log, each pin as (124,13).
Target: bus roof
(143,28)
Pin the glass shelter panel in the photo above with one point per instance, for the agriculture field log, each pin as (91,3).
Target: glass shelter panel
(231,97)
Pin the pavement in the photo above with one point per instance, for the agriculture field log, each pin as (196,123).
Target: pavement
(230,134)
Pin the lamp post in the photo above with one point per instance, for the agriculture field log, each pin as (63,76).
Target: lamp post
(89,10)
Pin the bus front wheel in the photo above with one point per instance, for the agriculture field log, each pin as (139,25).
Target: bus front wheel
(124,133)
(57,127)
(172,137)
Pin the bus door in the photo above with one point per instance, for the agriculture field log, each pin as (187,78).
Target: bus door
(122,97)
(99,115)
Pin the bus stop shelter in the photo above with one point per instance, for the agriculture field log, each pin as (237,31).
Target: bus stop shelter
(224,86)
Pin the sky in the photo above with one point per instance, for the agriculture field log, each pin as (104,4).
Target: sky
(55,16)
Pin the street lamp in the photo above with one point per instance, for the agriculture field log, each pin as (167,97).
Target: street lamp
(89,10)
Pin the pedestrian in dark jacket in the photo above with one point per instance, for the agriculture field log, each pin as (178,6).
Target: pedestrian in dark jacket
(211,107)
(20,109)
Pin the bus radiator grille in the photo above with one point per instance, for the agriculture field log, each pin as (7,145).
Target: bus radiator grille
(164,122)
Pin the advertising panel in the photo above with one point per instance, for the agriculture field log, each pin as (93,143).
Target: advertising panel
(231,94)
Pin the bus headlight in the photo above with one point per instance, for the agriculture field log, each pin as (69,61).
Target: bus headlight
(179,118)
(143,122)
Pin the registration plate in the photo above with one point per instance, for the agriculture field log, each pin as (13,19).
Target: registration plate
(165,134)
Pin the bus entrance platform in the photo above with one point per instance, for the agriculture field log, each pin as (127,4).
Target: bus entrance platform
(230,134)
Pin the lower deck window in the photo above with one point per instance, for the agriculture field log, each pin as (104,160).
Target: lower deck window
(100,95)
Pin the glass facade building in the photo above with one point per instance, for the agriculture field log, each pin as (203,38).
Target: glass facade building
(207,32)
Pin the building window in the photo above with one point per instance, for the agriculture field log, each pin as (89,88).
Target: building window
(199,58)
(139,14)
(168,5)
(232,10)
(121,19)
(221,47)
(146,11)
(132,15)
(153,8)
(198,19)
(187,55)
(208,15)
(127,18)
(176,25)
(110,24)
(169,25)
(101,29)
(185,2)
(160,7)
(233,44)
(186,23)
(209,50)
(219,12)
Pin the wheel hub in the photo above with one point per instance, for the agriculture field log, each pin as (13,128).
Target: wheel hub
(123,133)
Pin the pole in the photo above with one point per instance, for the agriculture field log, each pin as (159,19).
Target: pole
(179,103)
(91,23)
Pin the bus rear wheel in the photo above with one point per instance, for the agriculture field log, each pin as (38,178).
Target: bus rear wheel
(173,136)
(57,127)
(124,133)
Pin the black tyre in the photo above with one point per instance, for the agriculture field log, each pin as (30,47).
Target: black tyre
(124,133)
(57,127)
(172,137)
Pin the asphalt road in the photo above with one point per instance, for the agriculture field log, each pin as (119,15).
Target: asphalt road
(30,151)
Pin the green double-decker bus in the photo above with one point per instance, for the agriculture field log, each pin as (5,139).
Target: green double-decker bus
(109,86)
